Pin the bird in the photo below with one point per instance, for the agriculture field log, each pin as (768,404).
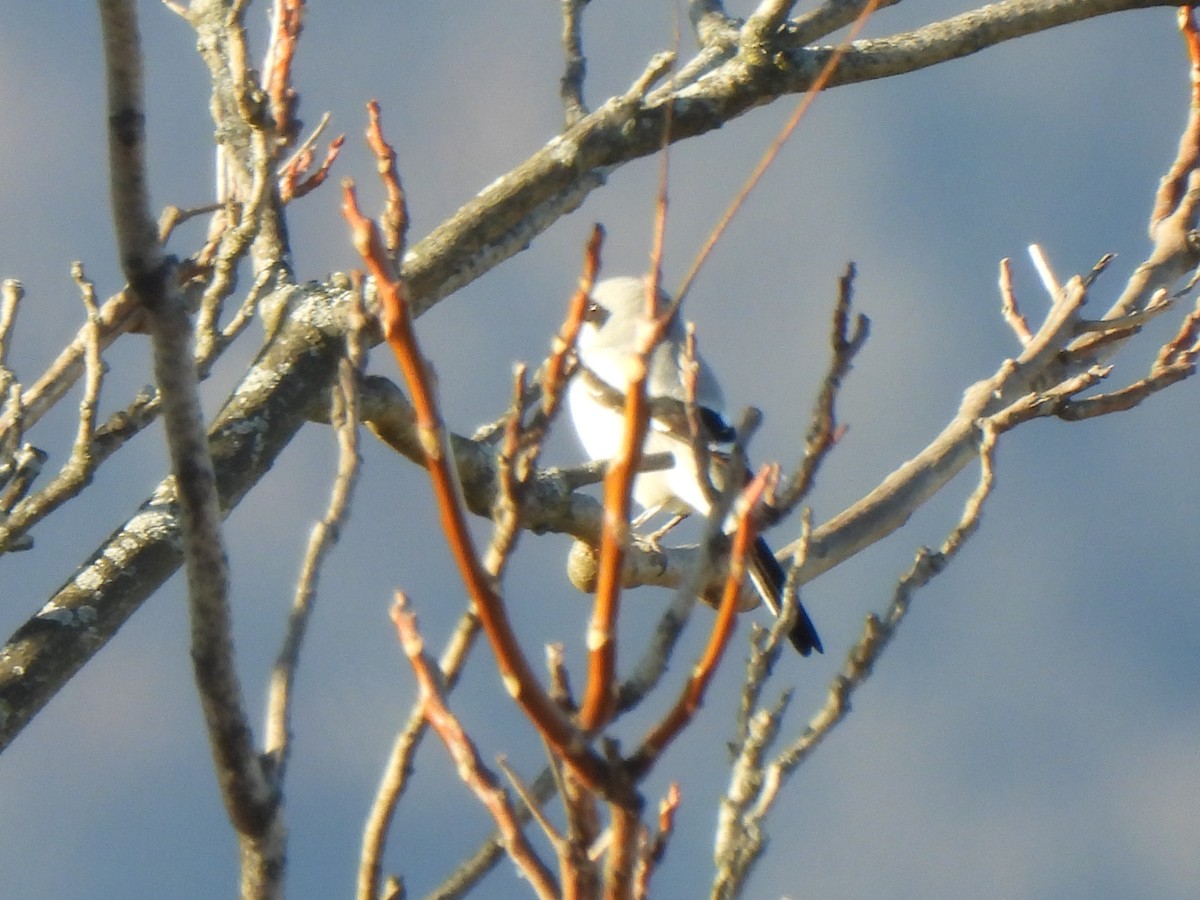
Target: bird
(613,320)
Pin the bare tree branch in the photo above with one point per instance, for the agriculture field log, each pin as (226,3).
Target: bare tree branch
(276,392)
(466,758)
(247,791)
(571,84)
(345,420)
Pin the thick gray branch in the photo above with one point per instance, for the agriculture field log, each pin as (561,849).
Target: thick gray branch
(508,214)
(261,416)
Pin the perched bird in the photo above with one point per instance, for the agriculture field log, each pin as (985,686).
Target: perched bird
(609,334)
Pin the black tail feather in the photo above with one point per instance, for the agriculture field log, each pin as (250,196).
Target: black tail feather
(768,577)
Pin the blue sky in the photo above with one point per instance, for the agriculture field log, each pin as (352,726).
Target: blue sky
(1033,731)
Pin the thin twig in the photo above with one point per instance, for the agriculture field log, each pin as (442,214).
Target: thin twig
(1181,347)
(512,477)
(93,369)
(1174,184)
(823,430)
(571,84)
(556,368)
(600,697)
(394,220)
(692,696)
(291,187)
(23,512)
(231,247)
(324,534)
(126,568)
(827,18)
(306,145)
(172,217)
(114,317)
(531,803)
(20,472)
(287,21)
(399,763)
(754,790)
(11,294)
(1008,305)
(652,665)
(120,427)
(772,151)
(767,646)
(656,848)
(470,768)
(697,434)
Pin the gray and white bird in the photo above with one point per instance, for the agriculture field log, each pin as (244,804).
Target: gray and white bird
(609,334)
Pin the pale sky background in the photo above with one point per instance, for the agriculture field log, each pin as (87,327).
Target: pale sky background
(1034,732)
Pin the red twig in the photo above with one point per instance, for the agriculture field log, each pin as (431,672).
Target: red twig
(394,220)
(600,695)
(564,341)
(287,21)
(656,847)
(654,282)
(290,186)
(693,692)
(517,675)
(599,699)
(701,453)
(474,774)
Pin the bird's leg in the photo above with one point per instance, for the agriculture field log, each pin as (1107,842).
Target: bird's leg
(655,536)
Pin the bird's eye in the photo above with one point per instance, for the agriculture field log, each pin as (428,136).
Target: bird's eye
(596,314)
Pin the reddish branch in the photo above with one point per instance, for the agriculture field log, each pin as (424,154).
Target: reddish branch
(600,695)
(621,863)
(692,696)
(287,21)
(471,769)
(517,675)
(394,221)
(701,453)
(290,186)
(656,847)
(599,699)
(556,365)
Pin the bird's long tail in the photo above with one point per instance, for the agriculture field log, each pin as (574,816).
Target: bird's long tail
(768,577)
